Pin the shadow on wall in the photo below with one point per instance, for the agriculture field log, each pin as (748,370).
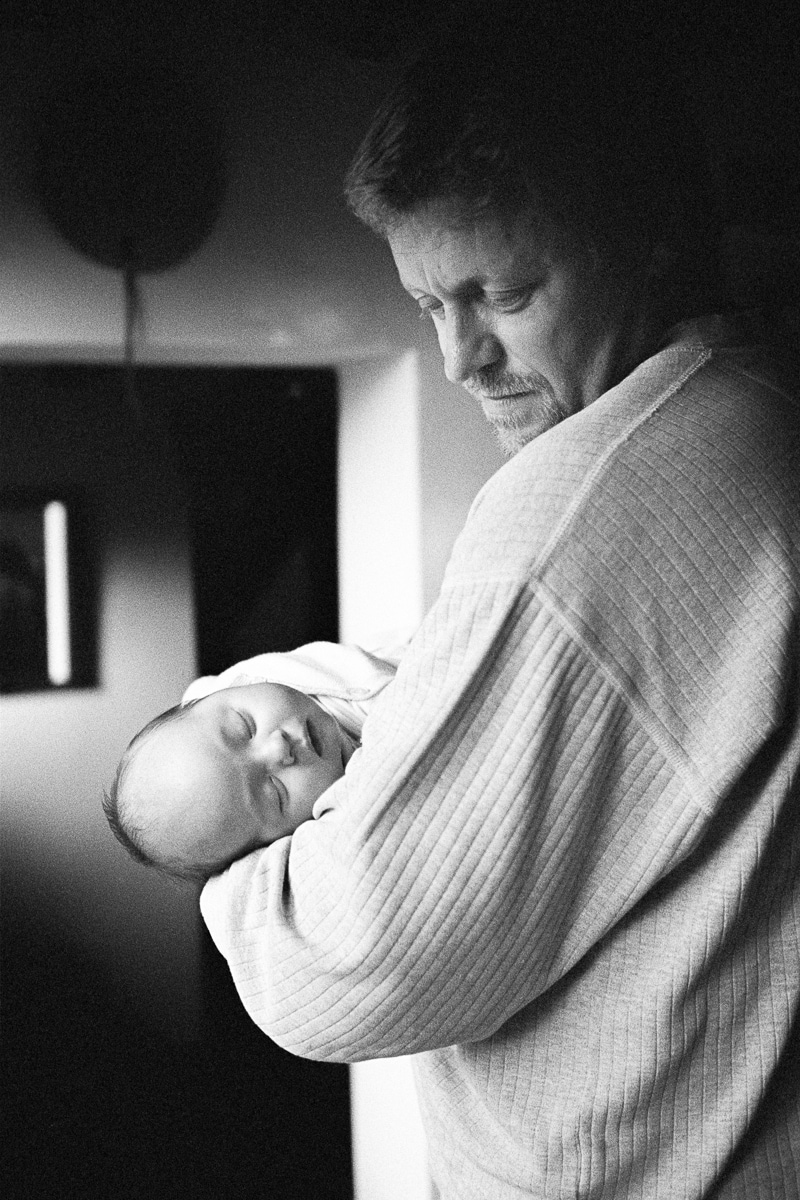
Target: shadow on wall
(99,1104)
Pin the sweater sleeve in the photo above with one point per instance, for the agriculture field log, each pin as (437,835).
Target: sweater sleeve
(506,808)
(612,654)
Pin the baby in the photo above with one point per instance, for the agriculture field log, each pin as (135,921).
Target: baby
(243,759)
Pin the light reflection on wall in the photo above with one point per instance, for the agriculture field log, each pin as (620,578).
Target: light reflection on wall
(56,582)
(380,530)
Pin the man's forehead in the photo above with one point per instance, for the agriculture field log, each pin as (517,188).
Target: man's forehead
(440,237)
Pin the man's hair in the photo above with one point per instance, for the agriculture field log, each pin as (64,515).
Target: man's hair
(118,808)
(596,138)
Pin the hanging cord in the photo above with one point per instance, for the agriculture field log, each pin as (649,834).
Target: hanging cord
(150,425)
(134,315)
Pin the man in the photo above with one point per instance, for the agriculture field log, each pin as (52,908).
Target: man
(563,869)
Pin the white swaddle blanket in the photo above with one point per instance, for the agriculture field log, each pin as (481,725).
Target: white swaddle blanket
(342,679)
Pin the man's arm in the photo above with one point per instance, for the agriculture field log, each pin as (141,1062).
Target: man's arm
(506,808)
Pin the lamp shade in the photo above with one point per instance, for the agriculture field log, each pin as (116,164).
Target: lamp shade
(129,168)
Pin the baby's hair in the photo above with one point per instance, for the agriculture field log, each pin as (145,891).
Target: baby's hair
(127,832)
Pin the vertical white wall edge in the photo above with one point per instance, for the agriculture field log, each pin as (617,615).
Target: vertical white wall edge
(380,603)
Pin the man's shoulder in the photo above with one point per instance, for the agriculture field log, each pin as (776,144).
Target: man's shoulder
(523,508)
(693,418)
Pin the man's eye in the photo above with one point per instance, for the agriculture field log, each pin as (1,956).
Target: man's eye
(511,301)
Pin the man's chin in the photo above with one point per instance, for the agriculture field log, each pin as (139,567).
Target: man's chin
(514,433)
(511,441)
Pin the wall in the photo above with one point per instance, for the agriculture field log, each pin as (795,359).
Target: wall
(287,277)
(60,748)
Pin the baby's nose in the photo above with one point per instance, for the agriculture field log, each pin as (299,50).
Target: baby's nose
(278,750)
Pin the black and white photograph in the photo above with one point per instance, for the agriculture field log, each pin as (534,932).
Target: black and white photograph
(400,600)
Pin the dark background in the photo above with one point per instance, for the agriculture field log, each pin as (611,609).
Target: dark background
(96,1104)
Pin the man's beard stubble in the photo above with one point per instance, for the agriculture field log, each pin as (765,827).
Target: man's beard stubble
(518,407)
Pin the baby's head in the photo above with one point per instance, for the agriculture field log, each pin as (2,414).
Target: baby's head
(205,783)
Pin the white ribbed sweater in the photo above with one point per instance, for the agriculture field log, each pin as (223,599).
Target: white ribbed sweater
(564,869)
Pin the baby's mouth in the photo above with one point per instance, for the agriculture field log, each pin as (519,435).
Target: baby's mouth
(314,739)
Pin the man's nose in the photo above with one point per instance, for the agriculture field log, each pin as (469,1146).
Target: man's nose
(467,344)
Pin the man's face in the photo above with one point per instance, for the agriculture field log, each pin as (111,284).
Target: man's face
(529,321)
(239,769)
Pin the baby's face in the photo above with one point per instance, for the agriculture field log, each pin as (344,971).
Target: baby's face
(237,770)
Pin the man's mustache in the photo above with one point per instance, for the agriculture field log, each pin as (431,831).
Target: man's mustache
(486,385)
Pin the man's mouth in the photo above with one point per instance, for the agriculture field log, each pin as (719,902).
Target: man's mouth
(504,405)
(500,397)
